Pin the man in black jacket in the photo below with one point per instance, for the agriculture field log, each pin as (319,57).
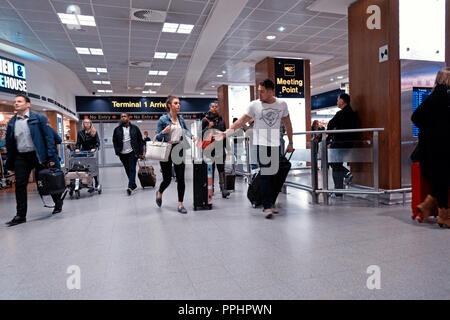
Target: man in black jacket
(129,146)
(214,121)
(345,119)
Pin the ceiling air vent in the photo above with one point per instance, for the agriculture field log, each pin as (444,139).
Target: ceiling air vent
(146,15)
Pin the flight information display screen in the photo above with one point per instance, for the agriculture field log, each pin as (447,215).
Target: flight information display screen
(419,95)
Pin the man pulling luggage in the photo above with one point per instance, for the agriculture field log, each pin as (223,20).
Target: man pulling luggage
(30,145)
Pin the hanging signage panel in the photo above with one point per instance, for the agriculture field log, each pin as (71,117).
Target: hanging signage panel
(154,116)
(13,76)
(138,104)
(289,78)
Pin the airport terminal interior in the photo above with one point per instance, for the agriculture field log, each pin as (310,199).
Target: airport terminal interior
(329,236)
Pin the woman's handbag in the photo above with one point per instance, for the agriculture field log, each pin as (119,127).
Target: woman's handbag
(156,150)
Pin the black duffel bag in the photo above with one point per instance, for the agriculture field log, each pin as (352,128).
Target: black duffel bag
(50,181)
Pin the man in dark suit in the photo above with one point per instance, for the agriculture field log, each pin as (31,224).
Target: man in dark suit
(30,145)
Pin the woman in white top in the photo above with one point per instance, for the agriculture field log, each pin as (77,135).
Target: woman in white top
(172,129)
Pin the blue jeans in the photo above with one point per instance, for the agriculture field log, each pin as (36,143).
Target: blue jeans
(129,162)
(267,181)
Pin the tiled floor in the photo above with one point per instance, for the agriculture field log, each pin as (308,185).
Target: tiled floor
(127,248)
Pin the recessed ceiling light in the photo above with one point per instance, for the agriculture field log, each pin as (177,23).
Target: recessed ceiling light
(171,55)
(281,28)
(177,28)
(271,37)
(98,70)
(96,52)
(163,73)
(340,77)
(77,19)
(220,76)
(202,93)
(332,79)
(96,82)
(154,84)
(103,91)
(213,86)
(108,91)
(106,82)
(83,50)
(164,55)
(160,55)
(153,72)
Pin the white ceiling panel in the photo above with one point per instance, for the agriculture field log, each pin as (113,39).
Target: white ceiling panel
(111,12)
(161,5)
(184,6)
(39,16)
(123,40)
(113,3)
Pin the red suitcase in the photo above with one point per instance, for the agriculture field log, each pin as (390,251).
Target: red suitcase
(420,189)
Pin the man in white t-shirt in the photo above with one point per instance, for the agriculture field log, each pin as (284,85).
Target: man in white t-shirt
(267,112)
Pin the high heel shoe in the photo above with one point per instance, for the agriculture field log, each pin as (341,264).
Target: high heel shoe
(444,218)
(428,208)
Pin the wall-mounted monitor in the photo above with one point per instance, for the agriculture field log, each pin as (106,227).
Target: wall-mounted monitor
(419,95)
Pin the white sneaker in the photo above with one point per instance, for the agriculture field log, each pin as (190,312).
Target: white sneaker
(268,213)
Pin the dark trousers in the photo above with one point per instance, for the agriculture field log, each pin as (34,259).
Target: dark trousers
(166,168)
(23,165)
(339,172)
(267,189)
(440,192)
(129,161)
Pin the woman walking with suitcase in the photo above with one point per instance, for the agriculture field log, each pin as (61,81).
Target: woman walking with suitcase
(172,128)
(432,117)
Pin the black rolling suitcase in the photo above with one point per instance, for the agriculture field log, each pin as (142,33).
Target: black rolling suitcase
(203,183)
(253,192)
(146,176)
(280,177)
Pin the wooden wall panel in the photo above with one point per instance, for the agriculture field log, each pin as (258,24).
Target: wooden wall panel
(222,98)
(73,130)
(307,84)
(52,119)
(264,69)
(447,34)
(375,86)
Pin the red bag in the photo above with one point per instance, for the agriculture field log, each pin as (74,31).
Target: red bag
(209,139)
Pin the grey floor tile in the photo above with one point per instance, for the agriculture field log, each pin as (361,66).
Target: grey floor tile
(127,248)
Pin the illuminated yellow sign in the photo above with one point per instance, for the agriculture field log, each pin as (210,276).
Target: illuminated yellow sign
(138,104)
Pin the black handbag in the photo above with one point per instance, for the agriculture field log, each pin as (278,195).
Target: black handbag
(50,181)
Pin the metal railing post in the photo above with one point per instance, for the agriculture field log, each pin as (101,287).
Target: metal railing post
(376,184)
(314,170)
(324,163)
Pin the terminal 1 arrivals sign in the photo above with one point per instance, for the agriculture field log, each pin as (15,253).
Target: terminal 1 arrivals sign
(289,78)
(101,105)
(13,77)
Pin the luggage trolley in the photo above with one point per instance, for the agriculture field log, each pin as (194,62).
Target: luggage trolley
(83,167)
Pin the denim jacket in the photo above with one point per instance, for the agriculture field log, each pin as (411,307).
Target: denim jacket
(41,135)
(164,121)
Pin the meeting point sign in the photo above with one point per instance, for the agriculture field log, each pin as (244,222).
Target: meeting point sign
(289,78)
